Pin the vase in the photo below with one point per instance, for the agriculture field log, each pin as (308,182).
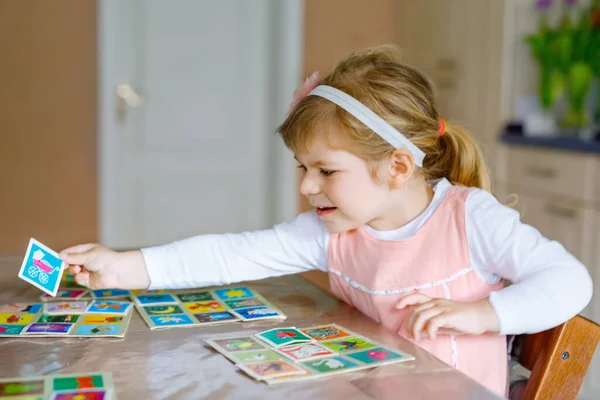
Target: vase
(541,123)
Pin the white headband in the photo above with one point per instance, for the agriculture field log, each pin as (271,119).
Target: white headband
(370,119)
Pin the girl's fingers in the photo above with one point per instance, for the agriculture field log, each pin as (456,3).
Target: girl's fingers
(80,248)
(83,278)
(75,269)
(422,318)
(412,299)
(435,323)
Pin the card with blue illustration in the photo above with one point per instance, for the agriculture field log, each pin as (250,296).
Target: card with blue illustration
(108,307)
(204,307)
(110,293)
(42,267)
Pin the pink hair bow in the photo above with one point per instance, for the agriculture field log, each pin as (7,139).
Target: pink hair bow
(309,84)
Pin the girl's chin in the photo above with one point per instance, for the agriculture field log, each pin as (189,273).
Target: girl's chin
(340,226)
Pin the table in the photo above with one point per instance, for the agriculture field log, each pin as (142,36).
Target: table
(176,364)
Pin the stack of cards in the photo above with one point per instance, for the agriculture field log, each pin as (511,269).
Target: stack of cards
(93,386)
(289,354)
(185,309)
(66,318)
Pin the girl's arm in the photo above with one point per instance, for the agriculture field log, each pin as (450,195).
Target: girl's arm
(549,285)
(218,259)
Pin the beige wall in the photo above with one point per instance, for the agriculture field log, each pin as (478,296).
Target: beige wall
(334,28)
(47,123)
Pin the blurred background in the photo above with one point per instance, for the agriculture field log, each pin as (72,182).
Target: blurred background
(139,122)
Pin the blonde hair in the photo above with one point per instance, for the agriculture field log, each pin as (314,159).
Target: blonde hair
(403,97)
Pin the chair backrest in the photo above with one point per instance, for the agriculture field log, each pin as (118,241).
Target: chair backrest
(557,358)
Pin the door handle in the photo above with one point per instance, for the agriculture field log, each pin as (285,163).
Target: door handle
(126,97)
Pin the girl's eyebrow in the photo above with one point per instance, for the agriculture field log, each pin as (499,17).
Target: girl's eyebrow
(317,163)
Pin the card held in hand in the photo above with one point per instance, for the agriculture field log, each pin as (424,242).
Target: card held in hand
(42,267)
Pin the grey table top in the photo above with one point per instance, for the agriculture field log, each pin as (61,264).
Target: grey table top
(176,363)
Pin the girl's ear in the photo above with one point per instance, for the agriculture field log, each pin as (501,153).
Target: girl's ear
(401,168)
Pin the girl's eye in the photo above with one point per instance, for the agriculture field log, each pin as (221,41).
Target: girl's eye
(327,172)
(302,167)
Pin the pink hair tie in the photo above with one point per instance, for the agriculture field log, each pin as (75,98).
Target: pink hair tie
(442,128)
(309,84)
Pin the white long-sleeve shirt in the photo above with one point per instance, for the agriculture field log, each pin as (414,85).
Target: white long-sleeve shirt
(549,285)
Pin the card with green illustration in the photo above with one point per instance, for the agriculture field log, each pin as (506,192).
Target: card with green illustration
(233,344)
(278,337)
(243,357)
(377,355)
(348,344)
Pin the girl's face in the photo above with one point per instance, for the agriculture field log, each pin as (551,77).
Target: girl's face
(341,187)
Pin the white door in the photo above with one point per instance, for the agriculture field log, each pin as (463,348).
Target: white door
(191,94)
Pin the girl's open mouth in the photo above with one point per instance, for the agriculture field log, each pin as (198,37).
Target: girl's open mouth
(322,211)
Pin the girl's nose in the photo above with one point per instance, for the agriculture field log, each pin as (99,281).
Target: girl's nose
(309,185)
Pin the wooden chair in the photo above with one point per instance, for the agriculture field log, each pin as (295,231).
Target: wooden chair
(557,358)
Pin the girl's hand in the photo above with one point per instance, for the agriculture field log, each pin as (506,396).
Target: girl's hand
(432,316)
(96,267)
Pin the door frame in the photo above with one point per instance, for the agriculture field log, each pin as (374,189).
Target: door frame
(287,42)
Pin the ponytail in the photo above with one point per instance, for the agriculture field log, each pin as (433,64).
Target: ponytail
(459,159)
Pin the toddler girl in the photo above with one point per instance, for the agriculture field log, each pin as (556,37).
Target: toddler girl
(404,224)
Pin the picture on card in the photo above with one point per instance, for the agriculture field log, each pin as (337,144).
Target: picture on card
(216,317)
(48,328)
(377,355)
(348,344)
(236,344)
(65,294)
(234,293)
(42,267)
(65,307)
(254,313)
(278,337)
(195,296)
(326,332)
(251,356)
(264,370)
(110,293)
(154,298)
(21,308)
(109,307)
(305,351)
